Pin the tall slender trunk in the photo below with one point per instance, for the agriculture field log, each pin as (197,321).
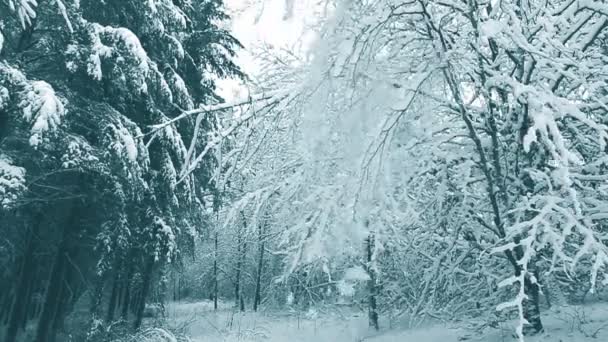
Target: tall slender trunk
(215,282)
(28,299)
(53,293)
(371,286)
(126,302)
(120,295)
(256,298)
(241,261)
(70,292)
(113,296)
(179,288)
(174,288)
(24,283)
(146,285)
(240,254)
(237,281)
(97,296)
(6,304)
(532,307)
(58,315)
(36,309)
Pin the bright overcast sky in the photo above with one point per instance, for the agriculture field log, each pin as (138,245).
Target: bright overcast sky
(256,22)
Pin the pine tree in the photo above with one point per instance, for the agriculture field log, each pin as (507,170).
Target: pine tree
(81,82)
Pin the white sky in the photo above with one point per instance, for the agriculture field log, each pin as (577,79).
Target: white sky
(257,22)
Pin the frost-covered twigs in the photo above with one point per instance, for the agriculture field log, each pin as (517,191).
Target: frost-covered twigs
(254,110)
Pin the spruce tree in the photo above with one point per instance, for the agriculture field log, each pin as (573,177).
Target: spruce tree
(81,82)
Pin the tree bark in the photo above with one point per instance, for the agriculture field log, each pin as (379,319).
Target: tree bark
(237,281)
(28,299)
(113,296)
(6,304)
(97,296)
(532,308)
(256,298)
(58,315)
(179,288)
(53,293)
(215,282)
(18,309)
(174,288)
(147,280)
(371,286)
(240,252)
(126,301)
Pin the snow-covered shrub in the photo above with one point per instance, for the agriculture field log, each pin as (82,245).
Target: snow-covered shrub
(155,335)
(119,331)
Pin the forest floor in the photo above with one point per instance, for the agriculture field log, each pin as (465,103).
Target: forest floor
(562,324)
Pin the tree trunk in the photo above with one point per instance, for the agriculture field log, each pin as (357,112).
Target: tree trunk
(174,288)
(179,288)
(215,282)
(53,293)
(113,296)
(18,309)
(126,301)
(97,296)
(371,286)
(256,298)
(6,304)
(532,308)
(147,280)
(121,294)
(60,309)
(240,250)
(237,281)
(28,299)
(36,309)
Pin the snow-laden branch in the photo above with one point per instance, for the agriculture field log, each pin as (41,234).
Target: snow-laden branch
(12,181)
(258,104)
(26,11)
(219,107)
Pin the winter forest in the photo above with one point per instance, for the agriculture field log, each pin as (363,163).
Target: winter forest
(303,170)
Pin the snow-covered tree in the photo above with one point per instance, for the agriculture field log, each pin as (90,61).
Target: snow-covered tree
(477,126)
(81,82)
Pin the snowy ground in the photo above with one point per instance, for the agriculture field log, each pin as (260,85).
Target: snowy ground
(565,324)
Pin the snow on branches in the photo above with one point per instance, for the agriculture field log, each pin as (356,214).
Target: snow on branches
(25,9)
(43,109)
(12,181)
(483,119)
(119,43)
(165,246)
